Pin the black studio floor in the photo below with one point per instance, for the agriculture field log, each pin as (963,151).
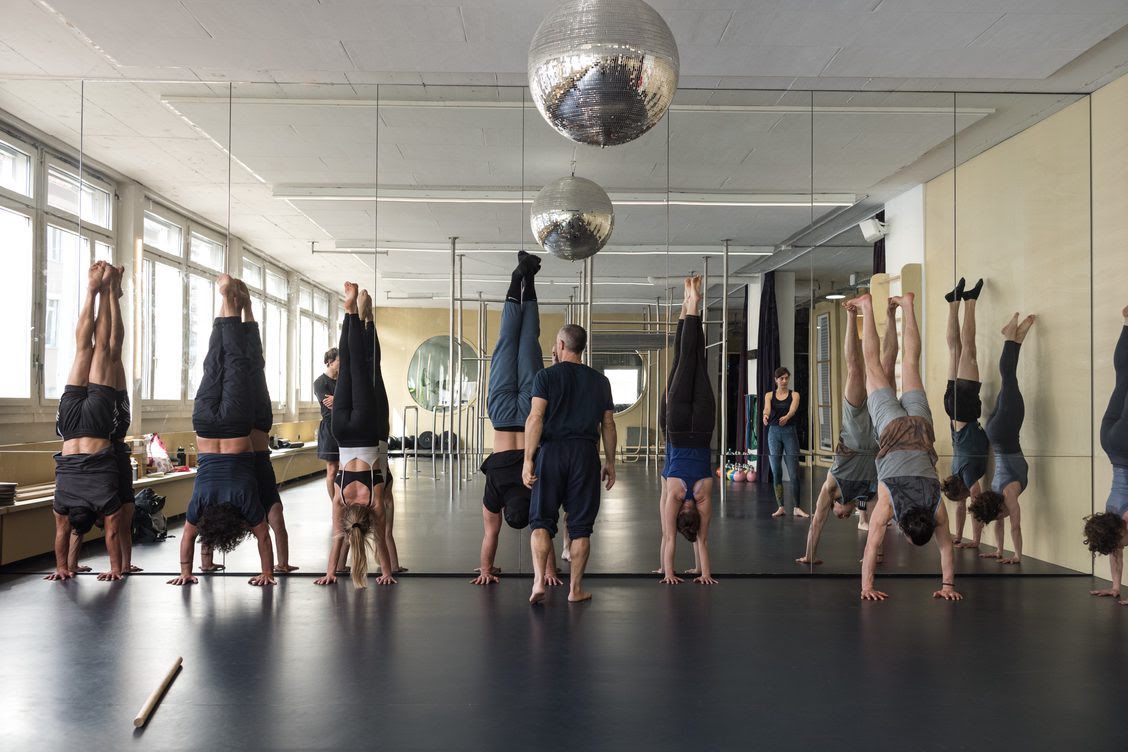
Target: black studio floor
(775,663)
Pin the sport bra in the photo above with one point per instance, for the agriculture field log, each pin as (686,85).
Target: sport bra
(369,455)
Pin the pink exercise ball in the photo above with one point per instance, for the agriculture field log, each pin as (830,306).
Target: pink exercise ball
(738,476)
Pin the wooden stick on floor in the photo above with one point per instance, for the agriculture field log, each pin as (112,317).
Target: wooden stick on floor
(151,703)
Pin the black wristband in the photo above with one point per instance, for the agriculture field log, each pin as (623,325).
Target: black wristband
(949,584)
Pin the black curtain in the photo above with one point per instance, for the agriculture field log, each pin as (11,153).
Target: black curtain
(879,248)
(768,358)
(742,386)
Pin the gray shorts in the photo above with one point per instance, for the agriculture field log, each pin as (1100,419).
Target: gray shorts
(1008,469)
(857,428)
(884,407)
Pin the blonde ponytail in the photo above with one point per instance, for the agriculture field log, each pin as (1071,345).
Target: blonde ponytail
(358,528)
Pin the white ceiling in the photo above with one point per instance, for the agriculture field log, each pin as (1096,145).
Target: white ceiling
(874,135)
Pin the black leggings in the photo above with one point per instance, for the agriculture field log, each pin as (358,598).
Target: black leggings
(1006,419)
(691,411)
(1114,424)
(360,402)
(224,405)
(260,393)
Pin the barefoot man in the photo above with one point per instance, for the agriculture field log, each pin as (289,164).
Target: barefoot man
(908,489)
(571,407)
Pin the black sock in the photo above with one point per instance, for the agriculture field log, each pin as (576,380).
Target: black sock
(973,293)
(956,293)
(528,265)
(514,292)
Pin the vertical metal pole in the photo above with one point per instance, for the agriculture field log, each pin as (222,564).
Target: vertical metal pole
(483,390)
(644,433)
(457,433)
(705,295)
(447,466)
(724,366)
(589,280)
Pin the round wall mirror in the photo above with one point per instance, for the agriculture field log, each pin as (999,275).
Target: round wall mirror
(428,381)
(627,375)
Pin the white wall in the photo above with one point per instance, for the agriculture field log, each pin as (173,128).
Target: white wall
(904,219)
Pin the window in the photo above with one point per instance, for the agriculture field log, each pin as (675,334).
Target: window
(15,169)
(103,252)
(276,285)
(822,374)
(162,346)
(64,193)
(274,351)
(313,339)
(51,323)
(252,273)
(206,252)
(162,234)
(67,266)
(201,311)
(16,304)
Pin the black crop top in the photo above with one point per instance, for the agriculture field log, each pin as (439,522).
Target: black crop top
(780,408)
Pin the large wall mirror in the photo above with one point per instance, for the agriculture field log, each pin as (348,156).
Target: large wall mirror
(429,382)
(627,375)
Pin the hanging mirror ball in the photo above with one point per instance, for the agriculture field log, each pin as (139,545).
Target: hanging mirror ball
(603,72)
(572,218)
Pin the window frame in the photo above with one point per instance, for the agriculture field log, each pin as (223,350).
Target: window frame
(33,153)
(24,205)
(315,319)
(93,178)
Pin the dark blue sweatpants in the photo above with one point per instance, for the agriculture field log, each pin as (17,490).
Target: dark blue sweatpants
(567,476)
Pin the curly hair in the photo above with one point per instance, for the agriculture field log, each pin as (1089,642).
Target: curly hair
(918,524)
(1103,532)
(986,506)
(954,488)
(222,527)
(689,522)
(81,519)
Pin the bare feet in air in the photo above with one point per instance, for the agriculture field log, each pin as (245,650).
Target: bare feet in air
(94,276)
(351,292)
(364,305)
(1124,313)
(1023,328)
(118,273)
(859,303)
(107,276)
(905,301)
(779,512)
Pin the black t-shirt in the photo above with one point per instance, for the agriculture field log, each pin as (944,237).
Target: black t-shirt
(323,386)
(577,398)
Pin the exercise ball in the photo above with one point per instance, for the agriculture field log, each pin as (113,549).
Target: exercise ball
(738,476)
(572,218)
(603,72)
(750,476)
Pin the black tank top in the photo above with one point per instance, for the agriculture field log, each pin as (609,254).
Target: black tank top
(780,408)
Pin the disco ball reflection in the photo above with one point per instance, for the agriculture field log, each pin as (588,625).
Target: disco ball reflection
(572,218)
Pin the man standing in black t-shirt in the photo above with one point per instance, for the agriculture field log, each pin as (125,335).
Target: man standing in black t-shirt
(571,408)
(323,388)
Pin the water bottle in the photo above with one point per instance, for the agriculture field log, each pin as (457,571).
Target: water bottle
(181,457)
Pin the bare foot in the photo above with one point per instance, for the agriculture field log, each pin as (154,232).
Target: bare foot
(83,569)
(694,570)
(779,512)
(1023,328)
(578,596)
(228,288)
(538,592)
(798,512)
(364,305)
(863,301)
(905,300)
(284,568)
(351,292)
(94,276)
(566,555)
(1124,313)
(133,568)
(693,296)
(107,276)
(1011,327)
(891,309)
(863,525)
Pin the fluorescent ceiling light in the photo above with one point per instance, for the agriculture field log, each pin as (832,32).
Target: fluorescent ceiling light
(836,296)
(476,249)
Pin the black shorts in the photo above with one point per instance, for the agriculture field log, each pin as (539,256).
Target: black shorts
(567,476)
(267,481)
(327,448)
(857,491)
(961,400)
(505,492)
(86,411)
(125,471)
(87,480)
(121,415)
